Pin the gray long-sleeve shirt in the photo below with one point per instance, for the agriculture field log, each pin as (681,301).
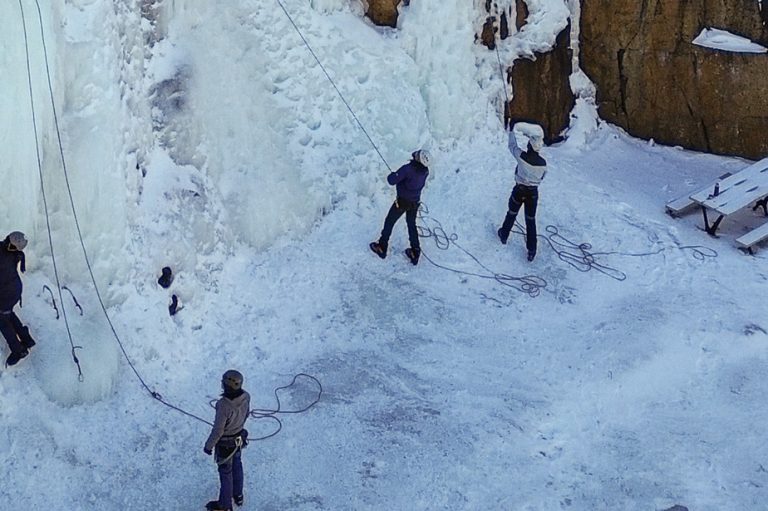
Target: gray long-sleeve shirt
(230,418)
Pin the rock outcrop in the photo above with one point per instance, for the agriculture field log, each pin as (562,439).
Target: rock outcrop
(541,91)
(384,12)
(655,83)
(541,88)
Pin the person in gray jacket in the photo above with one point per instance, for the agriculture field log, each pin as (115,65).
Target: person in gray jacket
(227,438)
(531,169)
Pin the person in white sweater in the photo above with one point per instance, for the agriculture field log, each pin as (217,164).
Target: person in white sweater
(531,169)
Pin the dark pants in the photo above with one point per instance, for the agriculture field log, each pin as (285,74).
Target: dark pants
(399,207)
(528,195)
(230,475)
(15,333)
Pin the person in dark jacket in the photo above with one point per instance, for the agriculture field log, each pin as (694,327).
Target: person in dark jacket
(530,171)
(15,333)
(227,438)
(409,180)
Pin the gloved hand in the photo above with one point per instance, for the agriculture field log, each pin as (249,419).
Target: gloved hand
(207,451)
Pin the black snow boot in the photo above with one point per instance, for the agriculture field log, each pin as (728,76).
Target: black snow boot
(413,254)
(503,236)
(215,506)
(14,357)
(25,338)
(238,500)
(531,255)
(378,249)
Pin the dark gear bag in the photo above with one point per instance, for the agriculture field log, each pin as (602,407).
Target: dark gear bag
(406,205)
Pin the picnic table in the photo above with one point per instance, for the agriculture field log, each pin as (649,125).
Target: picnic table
(729,194)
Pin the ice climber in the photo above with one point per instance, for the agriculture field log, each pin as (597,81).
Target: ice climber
(530,171)
(227,438)
(409,180)
(15,333)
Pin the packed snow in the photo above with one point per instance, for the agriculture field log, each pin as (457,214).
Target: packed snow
(207,138)
(723,40)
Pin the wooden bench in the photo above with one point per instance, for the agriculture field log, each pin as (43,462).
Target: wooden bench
(753,237)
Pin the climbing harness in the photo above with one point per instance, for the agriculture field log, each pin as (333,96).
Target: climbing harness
(238,445)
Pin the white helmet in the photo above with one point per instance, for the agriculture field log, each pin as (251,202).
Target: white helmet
(422,156)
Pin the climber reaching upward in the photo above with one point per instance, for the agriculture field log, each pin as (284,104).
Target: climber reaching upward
(530,171)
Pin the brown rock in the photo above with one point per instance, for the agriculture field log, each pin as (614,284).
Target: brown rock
(541,89)
(488,35)
(503,26)
(521,10)
(383,12)
(652,81)
(497,22)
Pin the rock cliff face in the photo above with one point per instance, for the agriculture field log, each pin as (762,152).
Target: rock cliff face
(541,88)
(652,81)
(541,91)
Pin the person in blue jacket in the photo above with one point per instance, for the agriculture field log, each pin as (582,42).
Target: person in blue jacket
(15,333)
(409,180)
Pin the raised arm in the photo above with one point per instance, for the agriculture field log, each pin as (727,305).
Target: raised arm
(398,175)
(512,144)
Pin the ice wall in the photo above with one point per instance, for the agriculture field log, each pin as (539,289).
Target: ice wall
(91,59)
(19,175)
(230,121)
(439,37)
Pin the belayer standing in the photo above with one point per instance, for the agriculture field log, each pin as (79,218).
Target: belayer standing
(409,180)
(15,333)
(227,438)
(531,169)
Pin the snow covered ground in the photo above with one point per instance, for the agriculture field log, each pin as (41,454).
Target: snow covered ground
(634,388)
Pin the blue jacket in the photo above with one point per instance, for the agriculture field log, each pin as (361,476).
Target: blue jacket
(410,180)
(10,282)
